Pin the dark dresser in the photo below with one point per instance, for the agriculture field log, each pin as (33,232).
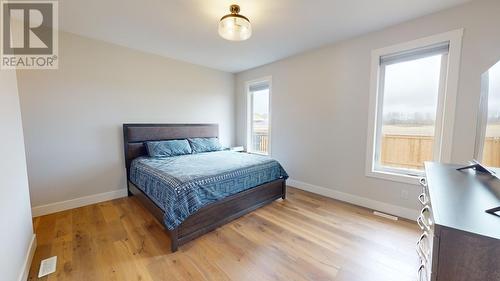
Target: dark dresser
(459,241)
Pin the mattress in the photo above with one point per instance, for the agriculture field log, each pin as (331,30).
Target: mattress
(181,185)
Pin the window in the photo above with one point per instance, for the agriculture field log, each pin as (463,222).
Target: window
(411,87)
(488,145)
(259,128)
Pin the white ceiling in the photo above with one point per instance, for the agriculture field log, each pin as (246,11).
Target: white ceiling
(187,29)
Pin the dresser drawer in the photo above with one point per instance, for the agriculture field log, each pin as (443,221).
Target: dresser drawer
(424,244)
(463,239)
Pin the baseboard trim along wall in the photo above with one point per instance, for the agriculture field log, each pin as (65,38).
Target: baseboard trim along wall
(23,275)
(335,194)
(399,211)
(77,202)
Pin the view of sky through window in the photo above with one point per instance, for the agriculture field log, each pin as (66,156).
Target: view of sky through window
(261,102)
(411,91)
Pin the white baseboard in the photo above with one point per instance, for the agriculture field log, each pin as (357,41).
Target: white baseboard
(23,276)
(399,211)
(77,202)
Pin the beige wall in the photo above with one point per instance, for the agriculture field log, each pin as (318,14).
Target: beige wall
(73,116)
(320,101)
(15,212)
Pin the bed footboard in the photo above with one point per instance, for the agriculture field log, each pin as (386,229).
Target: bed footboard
(216,214)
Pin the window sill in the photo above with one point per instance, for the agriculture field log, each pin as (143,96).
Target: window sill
(408,179)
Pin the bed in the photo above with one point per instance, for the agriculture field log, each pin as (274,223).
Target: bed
(196,193)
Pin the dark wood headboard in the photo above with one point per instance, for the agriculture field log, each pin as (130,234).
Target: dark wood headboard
(134,136)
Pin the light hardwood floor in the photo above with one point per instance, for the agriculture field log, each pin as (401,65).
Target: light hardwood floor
(305,237)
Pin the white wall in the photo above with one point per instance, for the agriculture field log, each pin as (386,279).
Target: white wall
(320,102)
(16,232)
(72,116)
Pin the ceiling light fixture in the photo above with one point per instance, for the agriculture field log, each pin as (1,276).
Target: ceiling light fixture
(235,27)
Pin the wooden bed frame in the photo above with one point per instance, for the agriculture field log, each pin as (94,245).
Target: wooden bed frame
(211,216)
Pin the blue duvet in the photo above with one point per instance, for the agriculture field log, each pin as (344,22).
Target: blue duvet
(181,185)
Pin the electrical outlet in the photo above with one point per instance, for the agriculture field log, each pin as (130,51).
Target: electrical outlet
(47,266)
(404,194)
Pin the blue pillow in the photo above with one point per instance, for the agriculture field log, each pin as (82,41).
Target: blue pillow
(205,144)
(168,148)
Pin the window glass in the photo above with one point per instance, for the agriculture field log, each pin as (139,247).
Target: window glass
(259,123)
(409,92)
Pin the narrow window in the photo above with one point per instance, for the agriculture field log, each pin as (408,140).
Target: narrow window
(409,93)
(489,135)
(412,106)
(258,134)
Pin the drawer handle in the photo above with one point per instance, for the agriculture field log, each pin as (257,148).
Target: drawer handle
(420,253)
(419,272)
(421,276)
(421,248)
(423,236)
(422,224)
(423,182)
(427,220)
(423,199)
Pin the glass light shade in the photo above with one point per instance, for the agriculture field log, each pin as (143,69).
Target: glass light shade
(235,28)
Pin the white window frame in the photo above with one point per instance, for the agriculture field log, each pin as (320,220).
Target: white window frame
(268,80)
(446,104)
